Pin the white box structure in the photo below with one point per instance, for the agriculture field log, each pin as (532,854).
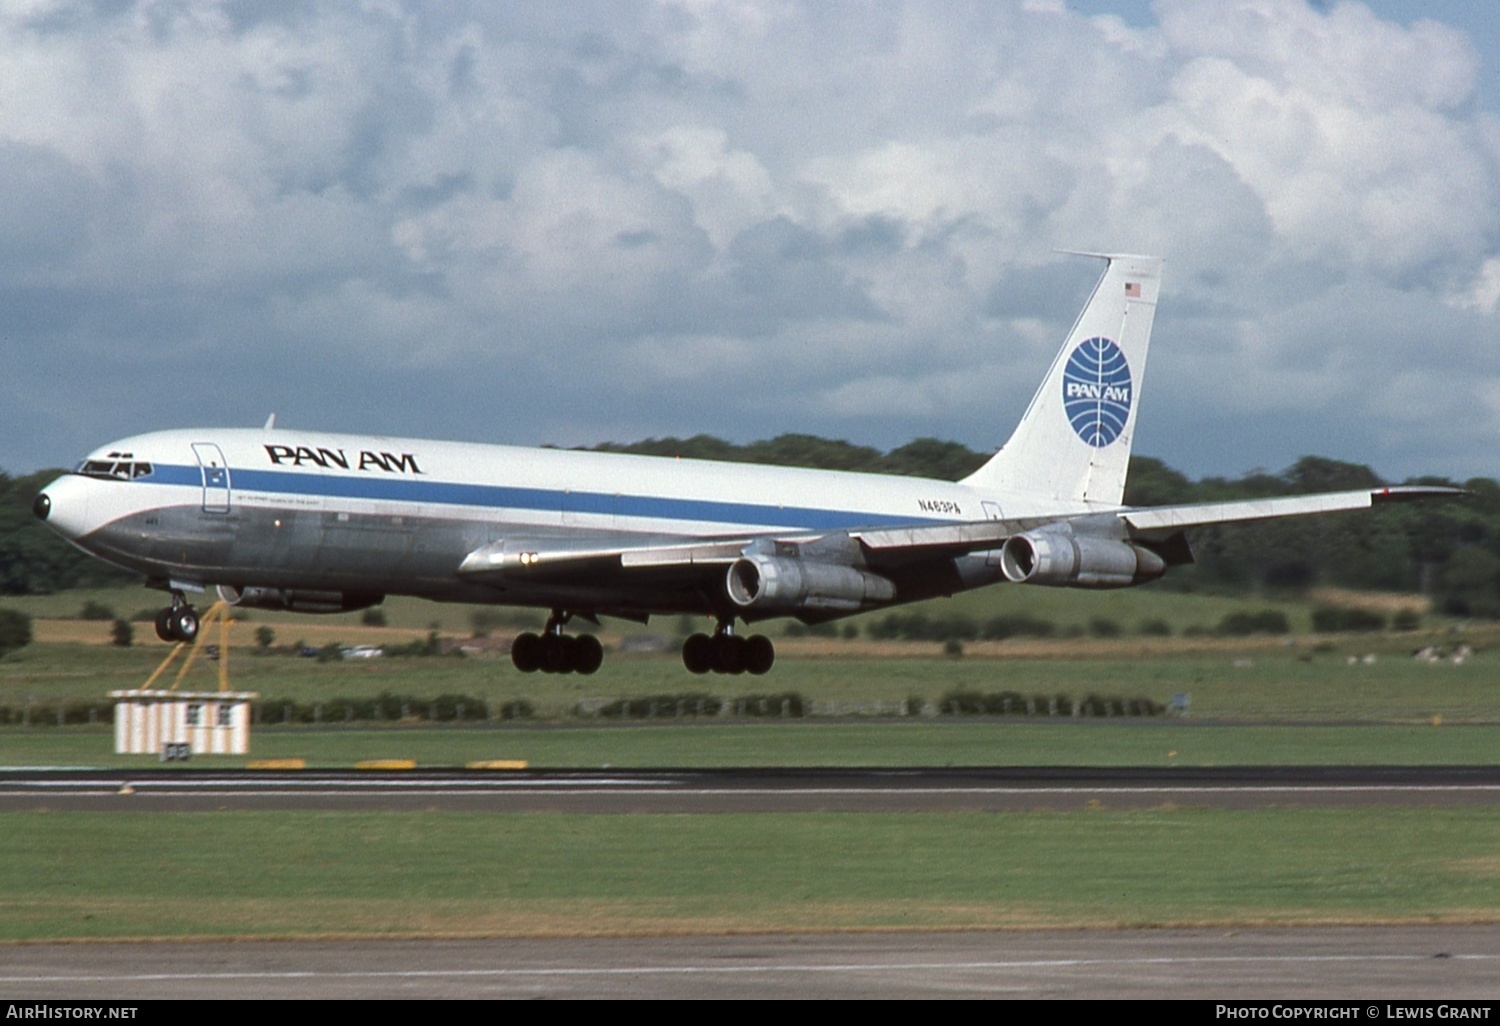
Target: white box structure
(209,722)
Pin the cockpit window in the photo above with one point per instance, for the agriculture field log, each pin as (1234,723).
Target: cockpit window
(114,469)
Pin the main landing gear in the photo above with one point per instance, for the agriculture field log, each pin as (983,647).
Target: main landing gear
(552,651)
(178,622)
(727,652)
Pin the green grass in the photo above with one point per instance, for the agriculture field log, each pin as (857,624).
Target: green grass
(1290,683)
(82,875)
(78,875)
(64,604)
(819,743)
(1287,703)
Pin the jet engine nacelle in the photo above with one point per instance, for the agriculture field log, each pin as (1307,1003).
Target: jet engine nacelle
(1073,561)
(299,600)
(771,583)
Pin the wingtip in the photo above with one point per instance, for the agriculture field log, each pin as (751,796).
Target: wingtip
(1408,493)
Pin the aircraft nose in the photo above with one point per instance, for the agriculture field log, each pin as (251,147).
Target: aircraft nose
(64,505)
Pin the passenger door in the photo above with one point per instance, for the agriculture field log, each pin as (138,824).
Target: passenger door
(215,477)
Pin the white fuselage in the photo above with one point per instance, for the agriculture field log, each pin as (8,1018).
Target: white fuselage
(370,514)
(549,489)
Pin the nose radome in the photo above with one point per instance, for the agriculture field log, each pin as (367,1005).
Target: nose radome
(64,505)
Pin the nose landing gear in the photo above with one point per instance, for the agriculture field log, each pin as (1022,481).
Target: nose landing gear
(552,651)
(727,652)
(178,622)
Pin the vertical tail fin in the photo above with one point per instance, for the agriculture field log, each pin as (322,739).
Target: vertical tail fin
(1073,443)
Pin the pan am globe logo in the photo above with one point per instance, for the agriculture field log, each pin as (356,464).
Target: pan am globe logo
(1096,391)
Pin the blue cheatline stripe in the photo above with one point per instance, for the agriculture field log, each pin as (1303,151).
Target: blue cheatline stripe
(543,499)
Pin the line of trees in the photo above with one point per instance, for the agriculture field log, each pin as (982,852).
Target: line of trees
(1447,550)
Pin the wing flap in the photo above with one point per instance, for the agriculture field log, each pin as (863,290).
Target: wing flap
(696,554)
(929,541)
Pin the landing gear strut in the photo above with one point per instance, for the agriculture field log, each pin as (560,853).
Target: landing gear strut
(727,652)
(552,651)
(178,622)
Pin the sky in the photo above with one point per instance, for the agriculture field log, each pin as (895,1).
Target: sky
(542,223)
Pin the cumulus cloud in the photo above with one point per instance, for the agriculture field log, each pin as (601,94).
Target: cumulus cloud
(1343,126)
(1484,294)
(596,220)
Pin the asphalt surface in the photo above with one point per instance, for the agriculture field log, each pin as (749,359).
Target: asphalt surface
(754,790)
(1363,966)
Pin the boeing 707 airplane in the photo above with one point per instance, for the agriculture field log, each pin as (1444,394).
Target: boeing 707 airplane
(318,523)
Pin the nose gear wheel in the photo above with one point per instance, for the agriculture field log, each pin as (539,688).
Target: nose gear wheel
(178,622)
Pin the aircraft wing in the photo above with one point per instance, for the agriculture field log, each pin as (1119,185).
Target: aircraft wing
(887,545)
(926,541)
(555,558)
(1162,520)
(886,549)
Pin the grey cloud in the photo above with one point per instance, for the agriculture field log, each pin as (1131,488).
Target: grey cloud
(46,204)
(556,223)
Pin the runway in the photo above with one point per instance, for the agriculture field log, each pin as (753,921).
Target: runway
(1362,965)
(753,790)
